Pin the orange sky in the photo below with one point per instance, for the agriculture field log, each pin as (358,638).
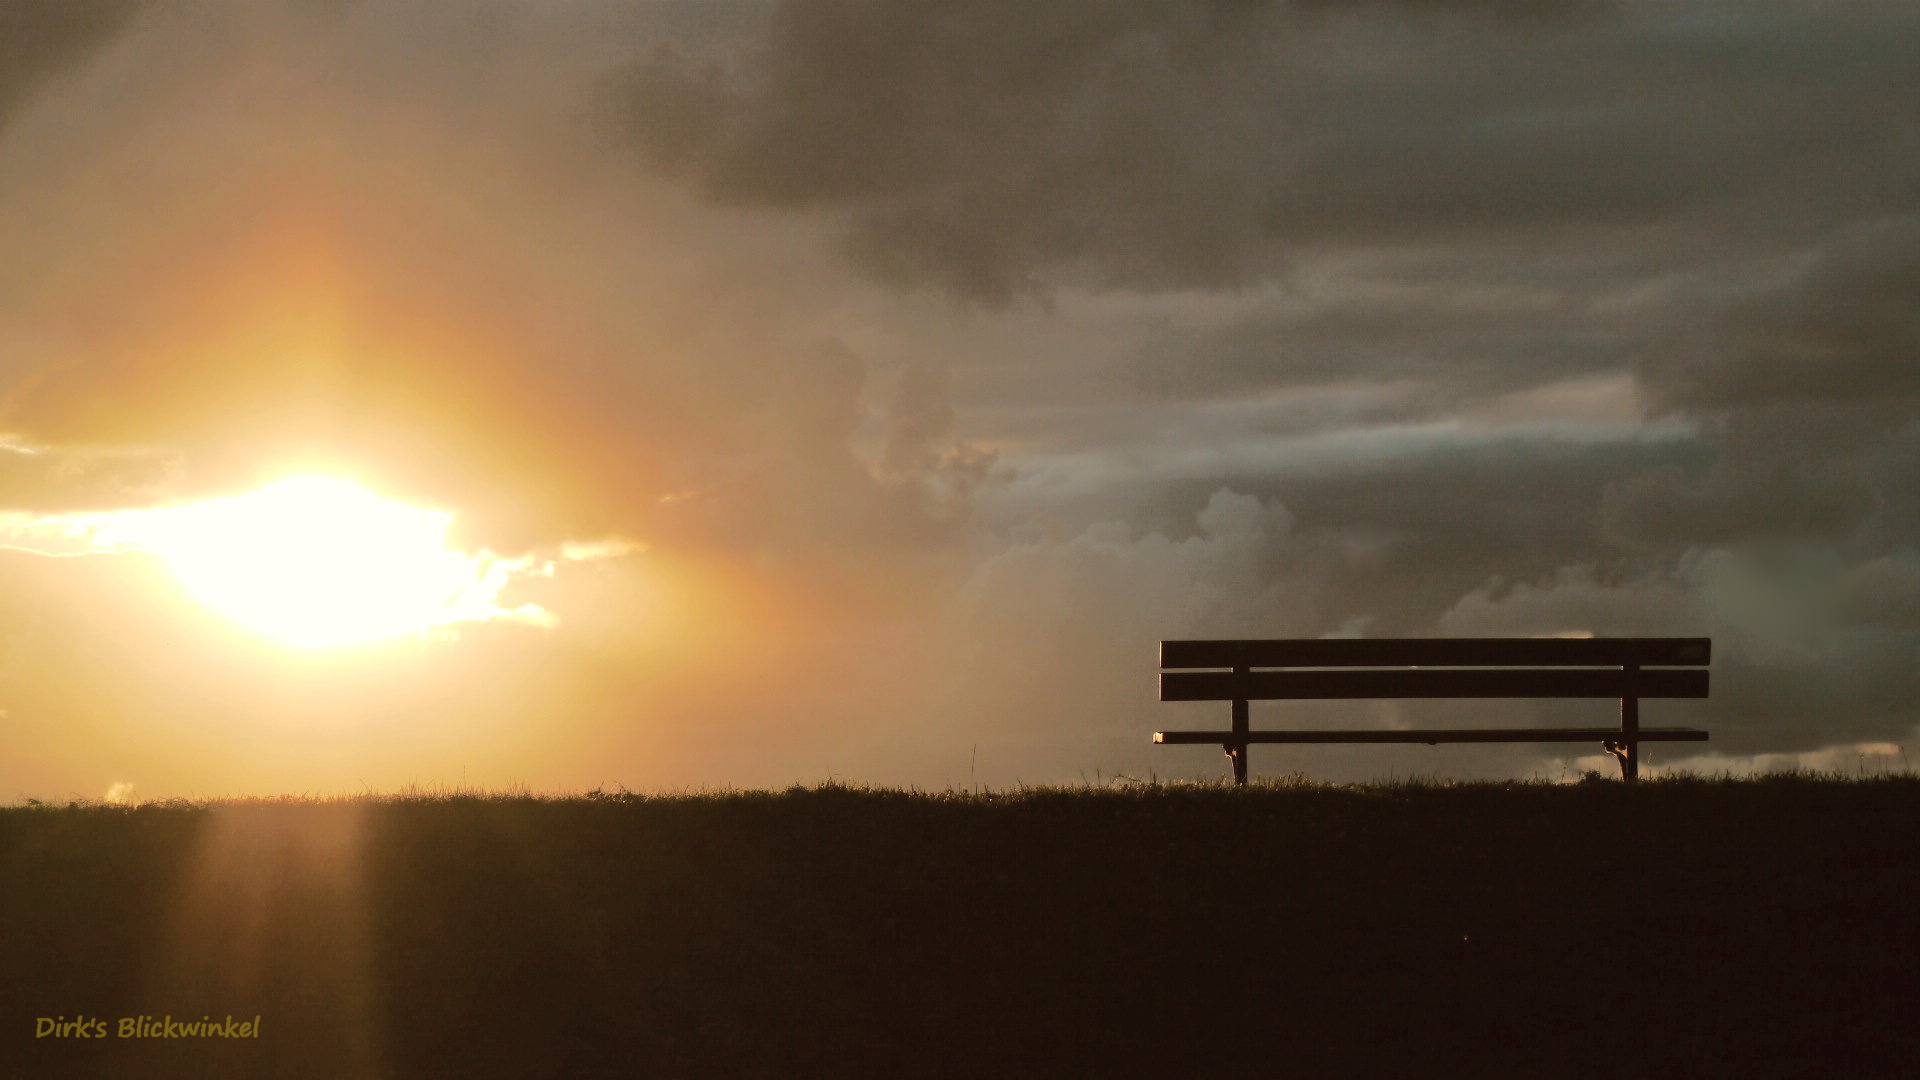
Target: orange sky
(866,399)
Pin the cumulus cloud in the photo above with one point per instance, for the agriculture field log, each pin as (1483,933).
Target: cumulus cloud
(1574,602)
(1046,656)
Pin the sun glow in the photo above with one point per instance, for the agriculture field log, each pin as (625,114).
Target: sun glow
(319,562)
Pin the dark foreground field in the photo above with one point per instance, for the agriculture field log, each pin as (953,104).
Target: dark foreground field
(1681,928)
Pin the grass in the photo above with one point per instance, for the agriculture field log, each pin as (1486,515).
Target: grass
(1677,927)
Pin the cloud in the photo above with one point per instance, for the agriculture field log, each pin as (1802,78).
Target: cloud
(982,146)
(1046,654)
(1805,390)
(1575,602)
(44,480)
(1741,498)
(41,40)
(1857,759)
(1884,592)
(1839,333)
(1798,663)
(992,150)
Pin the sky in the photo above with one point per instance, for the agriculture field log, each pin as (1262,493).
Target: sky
(796,390)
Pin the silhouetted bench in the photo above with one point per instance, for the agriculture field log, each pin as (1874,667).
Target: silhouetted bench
(1437,668)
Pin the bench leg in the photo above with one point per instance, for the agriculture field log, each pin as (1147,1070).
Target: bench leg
(1630,726)
(1627,753)
(1237,752)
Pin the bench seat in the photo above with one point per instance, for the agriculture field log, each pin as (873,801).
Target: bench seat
(1430,736)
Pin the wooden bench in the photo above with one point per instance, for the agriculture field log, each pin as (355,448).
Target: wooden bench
(1437,668)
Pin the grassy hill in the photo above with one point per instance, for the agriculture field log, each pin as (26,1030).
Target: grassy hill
(1680,927)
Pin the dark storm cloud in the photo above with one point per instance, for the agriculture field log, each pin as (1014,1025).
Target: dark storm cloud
(1432,527)
(974,144)
(1884,592)
(1845,333)
(977,147)
(1804,657)
(1804,388)
(1739,499)
(1789,534)
(43,39)
(988,149)
(1461,348)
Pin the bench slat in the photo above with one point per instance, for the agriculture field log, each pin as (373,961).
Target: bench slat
(1437,652)
(1432,735)
(1428,683)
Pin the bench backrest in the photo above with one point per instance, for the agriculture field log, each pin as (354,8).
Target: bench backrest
(1435,667)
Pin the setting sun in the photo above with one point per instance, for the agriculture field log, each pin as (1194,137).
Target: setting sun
(318,562)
